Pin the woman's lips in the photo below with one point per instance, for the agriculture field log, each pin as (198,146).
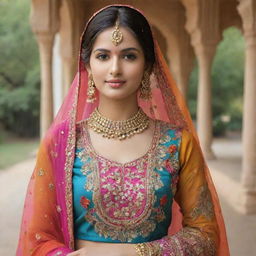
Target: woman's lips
(115,83)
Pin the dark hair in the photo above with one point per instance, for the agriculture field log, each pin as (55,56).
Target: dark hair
(127,17)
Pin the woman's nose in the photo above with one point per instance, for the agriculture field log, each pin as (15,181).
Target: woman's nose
(115,68)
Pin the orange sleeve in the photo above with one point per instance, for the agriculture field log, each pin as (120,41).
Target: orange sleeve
(199,235)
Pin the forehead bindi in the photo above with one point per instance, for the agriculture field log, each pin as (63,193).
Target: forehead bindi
(104,41)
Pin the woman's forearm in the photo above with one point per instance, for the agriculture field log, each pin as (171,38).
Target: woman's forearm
(120,249)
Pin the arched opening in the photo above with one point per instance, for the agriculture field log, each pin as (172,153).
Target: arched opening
(227,102)
(228,81)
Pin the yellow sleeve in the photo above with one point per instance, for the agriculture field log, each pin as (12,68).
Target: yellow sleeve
(199,235)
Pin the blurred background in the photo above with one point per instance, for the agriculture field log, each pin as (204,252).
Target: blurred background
(211,50)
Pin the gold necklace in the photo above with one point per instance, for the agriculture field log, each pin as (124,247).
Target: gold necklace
(118,129)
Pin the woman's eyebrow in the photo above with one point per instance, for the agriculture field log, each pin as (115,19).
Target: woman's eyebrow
(123,50)
(101,50)
(130,49)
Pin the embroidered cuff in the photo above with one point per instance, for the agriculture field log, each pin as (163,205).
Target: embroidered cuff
(188,241)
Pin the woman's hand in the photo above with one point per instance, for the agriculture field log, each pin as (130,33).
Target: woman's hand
(104,249)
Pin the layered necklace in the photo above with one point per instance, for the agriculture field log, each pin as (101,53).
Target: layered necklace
(118,129)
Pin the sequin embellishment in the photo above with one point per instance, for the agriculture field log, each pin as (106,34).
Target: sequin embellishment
(204,205)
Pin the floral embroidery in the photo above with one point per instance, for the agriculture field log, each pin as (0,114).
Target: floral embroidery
(168,153)
(172,149)
(51,186)
(58,208)
(159,214)
(38,236)
(84,202)
(163,200)
(41,172)
(204,205)
(54,154)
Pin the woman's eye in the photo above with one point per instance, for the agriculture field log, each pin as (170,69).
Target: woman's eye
(130,57)
(102,57)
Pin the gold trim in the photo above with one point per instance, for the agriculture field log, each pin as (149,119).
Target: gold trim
(70,153)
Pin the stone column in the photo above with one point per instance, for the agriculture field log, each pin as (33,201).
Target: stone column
(45,42)
(69,69)
(247,10)
(205,55)
(203,27)
(44,20)
(73,16)
(182,82)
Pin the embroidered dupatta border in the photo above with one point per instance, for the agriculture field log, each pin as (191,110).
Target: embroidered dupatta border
(70,154)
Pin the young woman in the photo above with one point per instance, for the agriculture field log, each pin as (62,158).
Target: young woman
(120,151)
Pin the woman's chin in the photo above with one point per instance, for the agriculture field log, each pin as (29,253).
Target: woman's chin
(118,95)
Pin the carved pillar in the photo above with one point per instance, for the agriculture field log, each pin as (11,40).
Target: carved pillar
(73,16)
(203,26)
(45,42)
(44,21)
(205,56)
(69,70)
(182,78)
(247,10)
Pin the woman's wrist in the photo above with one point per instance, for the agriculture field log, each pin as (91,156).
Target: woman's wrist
(127,249)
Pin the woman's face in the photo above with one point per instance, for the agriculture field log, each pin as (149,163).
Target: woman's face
(117,71)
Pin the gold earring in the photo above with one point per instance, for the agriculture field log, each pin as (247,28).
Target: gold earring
(91,90)
(145,90)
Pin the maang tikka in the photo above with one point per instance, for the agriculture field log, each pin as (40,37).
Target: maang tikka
(116,36)
(145,90)
(91,90)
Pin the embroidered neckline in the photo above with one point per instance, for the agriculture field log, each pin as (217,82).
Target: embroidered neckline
(153,144)
(126,208)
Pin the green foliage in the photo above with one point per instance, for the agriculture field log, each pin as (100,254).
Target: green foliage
(19,70)
(16,150)
(227,83)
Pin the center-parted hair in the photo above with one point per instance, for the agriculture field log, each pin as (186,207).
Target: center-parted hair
(128,18)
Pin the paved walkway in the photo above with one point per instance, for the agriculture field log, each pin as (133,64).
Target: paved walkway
(226,170)
(13,184)
(241,229)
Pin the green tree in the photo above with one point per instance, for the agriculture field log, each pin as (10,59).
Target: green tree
(19,70)
(227,83)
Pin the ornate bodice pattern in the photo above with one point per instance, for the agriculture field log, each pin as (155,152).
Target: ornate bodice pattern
(129,202)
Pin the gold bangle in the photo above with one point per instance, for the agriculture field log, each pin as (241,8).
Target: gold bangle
(143,249)
(139,249)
